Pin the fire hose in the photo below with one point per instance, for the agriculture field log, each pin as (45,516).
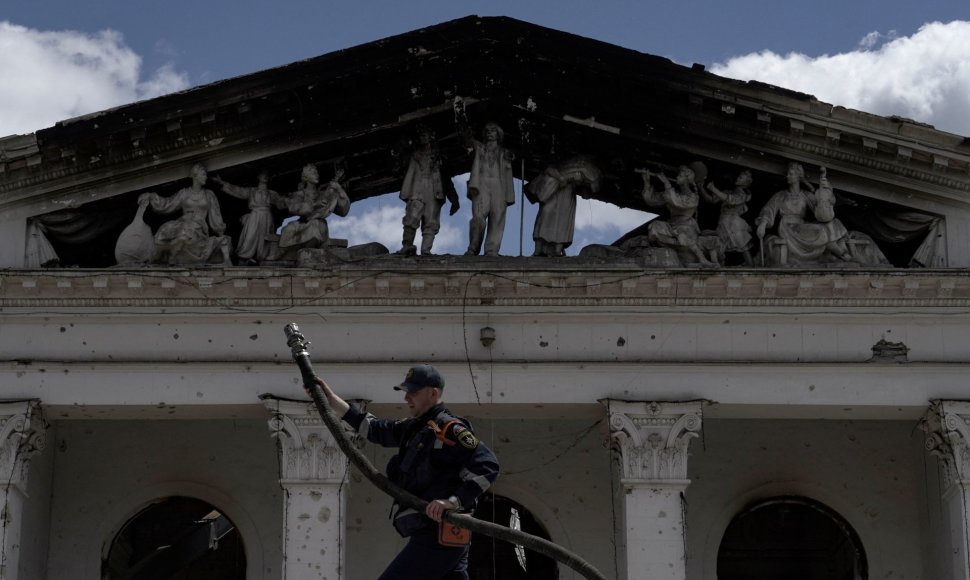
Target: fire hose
(299,346)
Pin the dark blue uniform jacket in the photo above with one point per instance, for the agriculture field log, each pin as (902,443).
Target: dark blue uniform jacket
(438,457)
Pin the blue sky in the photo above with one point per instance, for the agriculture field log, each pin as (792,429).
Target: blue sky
(62,58)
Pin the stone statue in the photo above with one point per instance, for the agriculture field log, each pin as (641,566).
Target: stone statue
(258,226)
(312,206)
(490,189)
(135,245)
(424,193)
(39,252)
(680,232)
(555,191)
(187,239)
(734,232)
(808,232)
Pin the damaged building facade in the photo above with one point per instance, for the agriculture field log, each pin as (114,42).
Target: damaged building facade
(771,373)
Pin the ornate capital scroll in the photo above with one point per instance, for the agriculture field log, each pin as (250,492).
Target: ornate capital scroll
(308,452)
(947,427)
(23,433)
(652,439)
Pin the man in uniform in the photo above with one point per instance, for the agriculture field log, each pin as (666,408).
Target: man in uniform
(439,459)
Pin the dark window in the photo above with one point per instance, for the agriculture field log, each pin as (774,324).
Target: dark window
(177,538)
(792,538)
(491,559)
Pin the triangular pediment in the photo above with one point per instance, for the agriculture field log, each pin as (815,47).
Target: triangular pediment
(556,95)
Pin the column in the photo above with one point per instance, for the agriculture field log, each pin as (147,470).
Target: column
(22,435)
(313,475)
(652,439)
(947,427)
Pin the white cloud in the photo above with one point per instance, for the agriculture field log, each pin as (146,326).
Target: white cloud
(49,76)
(382,224)
(594,216)
(370,222)
(925,76)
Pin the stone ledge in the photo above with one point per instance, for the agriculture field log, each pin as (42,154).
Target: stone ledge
(457,281)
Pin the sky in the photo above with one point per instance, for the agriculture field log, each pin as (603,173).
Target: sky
(64,58)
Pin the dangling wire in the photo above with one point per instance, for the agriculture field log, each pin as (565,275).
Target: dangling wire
(19,436)
(491,403)
(613,500)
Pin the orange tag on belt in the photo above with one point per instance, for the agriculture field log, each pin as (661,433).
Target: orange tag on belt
(453,536)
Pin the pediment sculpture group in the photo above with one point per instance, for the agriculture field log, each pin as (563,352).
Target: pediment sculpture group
(796,227)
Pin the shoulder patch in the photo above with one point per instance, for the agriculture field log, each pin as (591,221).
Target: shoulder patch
(464,436)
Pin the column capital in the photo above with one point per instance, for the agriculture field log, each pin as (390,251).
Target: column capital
(308,452)
(947,427)
(23,434)
(653,438)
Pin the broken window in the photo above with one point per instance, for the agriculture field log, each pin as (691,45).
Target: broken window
(176,538)
(491,559)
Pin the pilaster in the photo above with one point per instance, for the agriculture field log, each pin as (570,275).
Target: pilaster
(947,427)
(652,440)
(313,476)
(23,433)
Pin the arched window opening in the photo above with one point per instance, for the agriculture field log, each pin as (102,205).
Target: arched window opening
(793,538)
(177,538)
(491,559)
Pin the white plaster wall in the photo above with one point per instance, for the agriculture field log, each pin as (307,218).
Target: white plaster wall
(558,469)
(107,471)
(541,334)
(870,472)
(13,237)
(944,526)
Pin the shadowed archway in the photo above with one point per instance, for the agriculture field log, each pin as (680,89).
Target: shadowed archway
(793,538)
(176,538)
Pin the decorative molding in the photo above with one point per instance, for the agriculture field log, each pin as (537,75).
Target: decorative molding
(617,285)
(947,428)
(868,155)
(23,434)
(308,452)
(652,439)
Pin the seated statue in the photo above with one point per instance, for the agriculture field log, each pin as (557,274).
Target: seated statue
(680,232)
(808,232)
(189,238)
(312,206)
(555,191)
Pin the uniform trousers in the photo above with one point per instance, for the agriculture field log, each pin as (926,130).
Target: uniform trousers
(423,558)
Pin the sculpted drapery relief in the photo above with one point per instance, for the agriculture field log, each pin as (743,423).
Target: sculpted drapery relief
(704,221)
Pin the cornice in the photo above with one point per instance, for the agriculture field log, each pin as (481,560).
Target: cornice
(928,158)
(454,283)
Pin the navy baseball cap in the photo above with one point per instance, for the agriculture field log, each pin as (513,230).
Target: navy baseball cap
(419,377)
